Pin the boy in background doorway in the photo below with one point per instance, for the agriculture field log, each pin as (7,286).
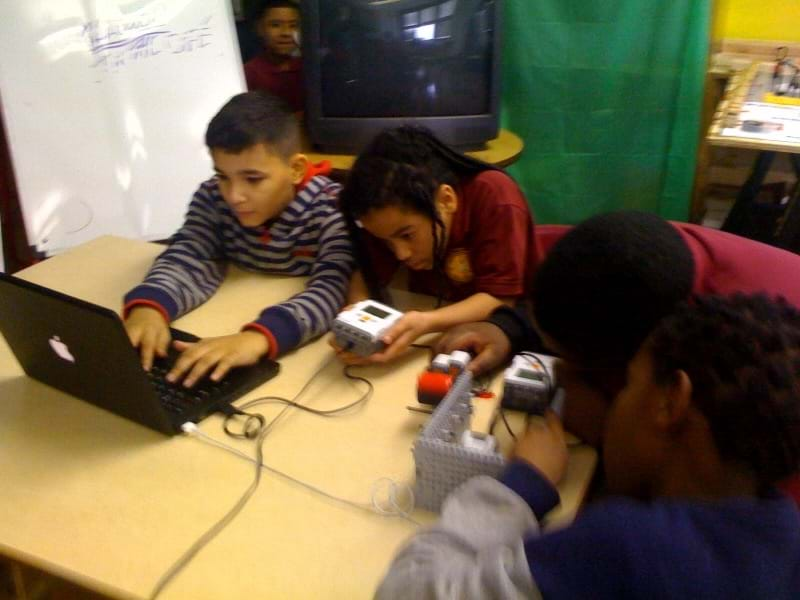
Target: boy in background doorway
(278,68)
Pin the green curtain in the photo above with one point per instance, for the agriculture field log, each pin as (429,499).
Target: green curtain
(606,96)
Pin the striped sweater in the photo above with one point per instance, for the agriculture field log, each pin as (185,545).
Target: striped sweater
(309,238)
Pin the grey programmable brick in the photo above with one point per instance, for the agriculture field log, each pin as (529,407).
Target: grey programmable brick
(442,462)
(355,341)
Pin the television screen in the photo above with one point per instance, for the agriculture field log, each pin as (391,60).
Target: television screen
(372,64)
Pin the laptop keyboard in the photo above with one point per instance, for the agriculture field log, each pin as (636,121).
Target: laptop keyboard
(177,399)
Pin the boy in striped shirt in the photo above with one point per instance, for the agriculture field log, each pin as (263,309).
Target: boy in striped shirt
(267,210)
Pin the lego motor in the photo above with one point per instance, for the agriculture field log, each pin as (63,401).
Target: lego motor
(434,383)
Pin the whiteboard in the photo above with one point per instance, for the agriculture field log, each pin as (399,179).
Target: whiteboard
(106,103)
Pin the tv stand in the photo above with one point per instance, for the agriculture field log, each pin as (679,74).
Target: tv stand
(501,152)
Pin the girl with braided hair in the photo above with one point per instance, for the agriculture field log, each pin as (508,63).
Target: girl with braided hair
(461,227)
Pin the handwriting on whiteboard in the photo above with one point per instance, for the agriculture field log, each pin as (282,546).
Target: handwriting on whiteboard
(115,44)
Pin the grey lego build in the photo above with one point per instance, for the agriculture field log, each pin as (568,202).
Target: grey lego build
(442,461)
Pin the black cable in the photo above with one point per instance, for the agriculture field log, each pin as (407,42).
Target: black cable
(264,426)
(262,429)
(574,444)
(252,426)
(322,413)
(508,427)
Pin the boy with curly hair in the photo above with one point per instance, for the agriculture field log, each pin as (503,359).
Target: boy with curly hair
(706,424)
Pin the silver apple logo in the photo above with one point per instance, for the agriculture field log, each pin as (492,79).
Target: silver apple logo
(61,349)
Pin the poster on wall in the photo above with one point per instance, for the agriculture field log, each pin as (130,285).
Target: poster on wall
(106,104)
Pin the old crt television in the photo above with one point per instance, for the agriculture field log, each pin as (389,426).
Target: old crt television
(373,64)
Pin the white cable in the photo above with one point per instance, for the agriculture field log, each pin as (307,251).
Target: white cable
(190,428)
(395,507)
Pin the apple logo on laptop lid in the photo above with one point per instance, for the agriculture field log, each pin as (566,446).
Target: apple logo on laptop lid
(61,349)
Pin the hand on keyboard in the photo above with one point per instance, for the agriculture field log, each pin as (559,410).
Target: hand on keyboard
(217,356)
(149,332)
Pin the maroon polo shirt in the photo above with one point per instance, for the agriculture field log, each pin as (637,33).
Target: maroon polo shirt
(283,81)
(491,247)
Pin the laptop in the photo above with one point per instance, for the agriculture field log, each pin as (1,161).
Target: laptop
(82,349)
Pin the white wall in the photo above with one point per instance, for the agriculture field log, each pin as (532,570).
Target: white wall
(105,104)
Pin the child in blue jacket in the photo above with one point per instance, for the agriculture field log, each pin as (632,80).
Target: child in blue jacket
(708,421)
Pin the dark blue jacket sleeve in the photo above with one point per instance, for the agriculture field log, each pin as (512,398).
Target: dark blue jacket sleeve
(518,328)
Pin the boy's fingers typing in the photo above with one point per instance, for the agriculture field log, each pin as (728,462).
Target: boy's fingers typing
(201,366)
(221,369)
(146,351)
(134,334)
(152,342)
(149,332)
(164,339)
(157,346)
(217,355)
(190,353)
(195,361)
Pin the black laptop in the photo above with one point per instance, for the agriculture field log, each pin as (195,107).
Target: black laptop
(83,349)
